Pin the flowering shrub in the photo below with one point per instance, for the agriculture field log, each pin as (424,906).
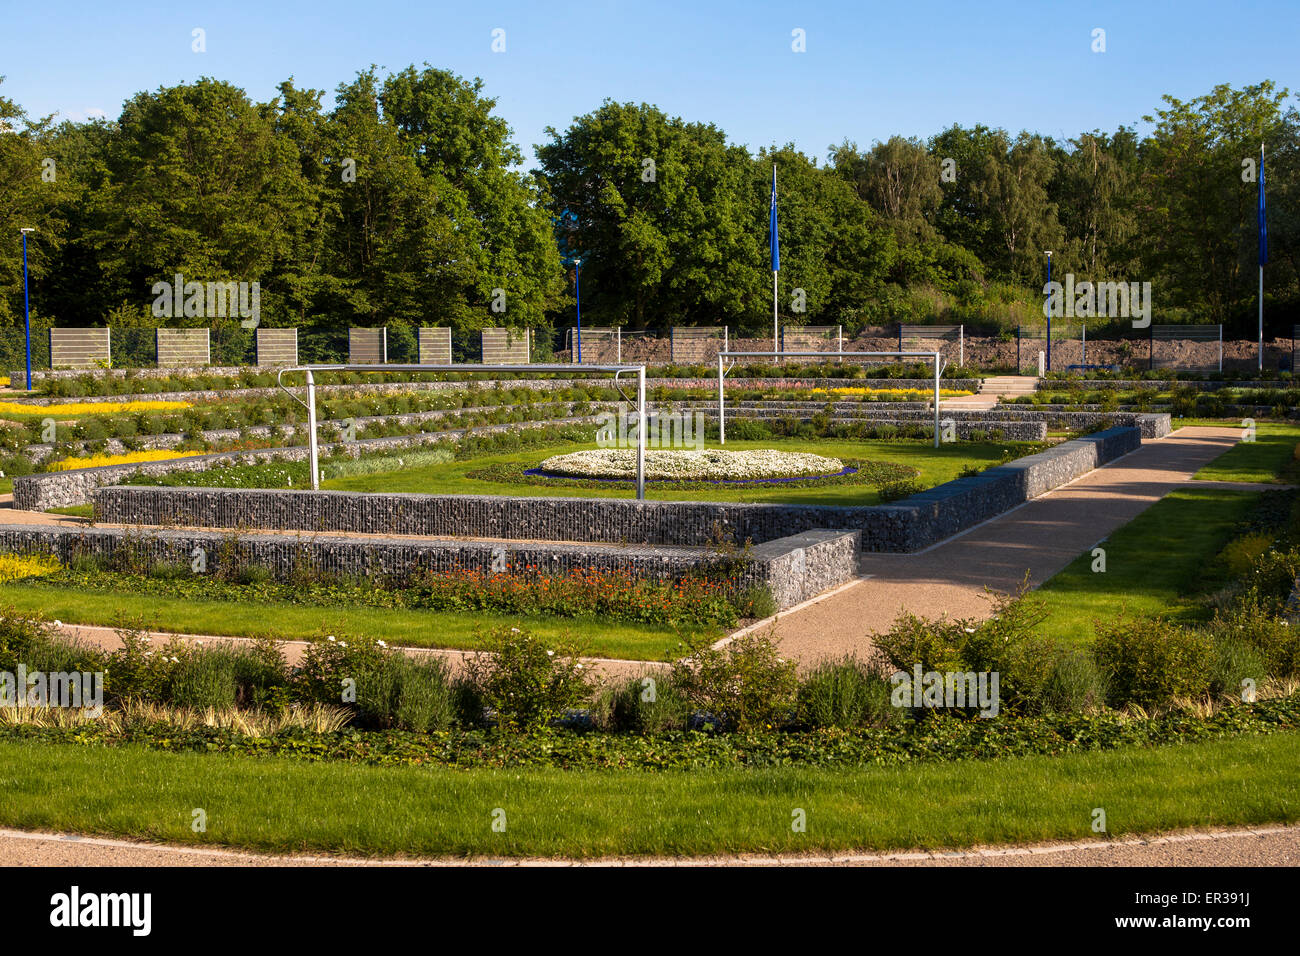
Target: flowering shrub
(710,465)
(88,408)
(746,686)
(15,567)
(527,682)
(694,601)
(131,458)
(890,394)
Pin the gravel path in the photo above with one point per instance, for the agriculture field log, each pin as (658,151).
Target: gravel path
(1247,846)
(1039,538)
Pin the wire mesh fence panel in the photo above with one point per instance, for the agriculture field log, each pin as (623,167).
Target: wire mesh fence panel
(1190,348)
(183,348)
(79,348)
(1066,352)
(13,352)
(697,346)
(812,338)
(506,346)
(950,340)
(277,347)
(595,346)
(368,346)
(435,345)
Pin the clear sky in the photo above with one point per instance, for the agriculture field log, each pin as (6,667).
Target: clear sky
(870,69)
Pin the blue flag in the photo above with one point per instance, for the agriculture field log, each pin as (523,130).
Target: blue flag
(1263,222)
(776,243)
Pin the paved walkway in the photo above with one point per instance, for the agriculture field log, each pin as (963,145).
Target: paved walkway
(1040,538)
(1241,846)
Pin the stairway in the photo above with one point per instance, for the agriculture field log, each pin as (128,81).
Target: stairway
(993,390)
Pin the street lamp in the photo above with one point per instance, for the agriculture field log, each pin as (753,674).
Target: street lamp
(1048,253)
(27,307)
(577,292)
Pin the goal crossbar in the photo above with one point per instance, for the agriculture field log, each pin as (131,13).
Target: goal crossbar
(616,370)
(935,357)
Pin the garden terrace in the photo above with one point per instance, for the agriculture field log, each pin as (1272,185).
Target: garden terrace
(63,489)
(791,569)
(907,525)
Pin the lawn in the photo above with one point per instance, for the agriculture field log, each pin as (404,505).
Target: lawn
(1269,458)
(281,804)
(936,466)
(599,637)
(1161,562)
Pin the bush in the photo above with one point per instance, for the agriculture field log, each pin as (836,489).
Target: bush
(1150,662)
(652,704)
(202,677)
(1276,640)
(1235,661)
(897,490)
(1075,685)
(527,682)
(844,694)
(745,686)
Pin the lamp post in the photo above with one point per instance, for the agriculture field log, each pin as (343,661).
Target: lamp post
(577,292)
(27,307)
(1048,253)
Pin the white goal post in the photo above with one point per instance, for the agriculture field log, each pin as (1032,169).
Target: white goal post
(935,357)
(616,370)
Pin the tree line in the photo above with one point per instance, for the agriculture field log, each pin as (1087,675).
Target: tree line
(406,203)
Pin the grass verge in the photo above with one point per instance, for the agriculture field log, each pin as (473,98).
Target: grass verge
(599,637)
(1158,563)
(1269,458)
(288,805)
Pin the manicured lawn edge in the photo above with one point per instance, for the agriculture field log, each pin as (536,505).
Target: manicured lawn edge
(289,805)
(434,629)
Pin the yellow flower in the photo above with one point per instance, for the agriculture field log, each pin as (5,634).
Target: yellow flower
(15,567)
(89,408)
(131,458)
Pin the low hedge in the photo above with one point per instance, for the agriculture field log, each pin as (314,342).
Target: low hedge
(941,738)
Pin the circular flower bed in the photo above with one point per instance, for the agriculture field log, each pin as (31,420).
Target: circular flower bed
(710,465)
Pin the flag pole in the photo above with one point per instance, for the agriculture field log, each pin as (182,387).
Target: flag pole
(775,243)
(1263,255)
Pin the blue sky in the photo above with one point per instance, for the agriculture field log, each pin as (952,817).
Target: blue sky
(871,69)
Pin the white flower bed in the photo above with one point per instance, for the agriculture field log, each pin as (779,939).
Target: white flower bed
(710,465)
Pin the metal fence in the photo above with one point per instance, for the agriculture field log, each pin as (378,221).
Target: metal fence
(948,339)
(1190,348)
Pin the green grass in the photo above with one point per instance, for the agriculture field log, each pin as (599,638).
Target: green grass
(280,804)
(1158,563)
(936,465)
(1269,458)
(599,637)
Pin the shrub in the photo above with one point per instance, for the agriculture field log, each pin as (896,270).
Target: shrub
(746,686)
(1241,554)
(844,694)
(651,704)
(1075,684)
(202,677)
(1007,644)
(897,490)
(913,640)
(1150,662)
(527,682)
(1275,639)
(1235,661)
